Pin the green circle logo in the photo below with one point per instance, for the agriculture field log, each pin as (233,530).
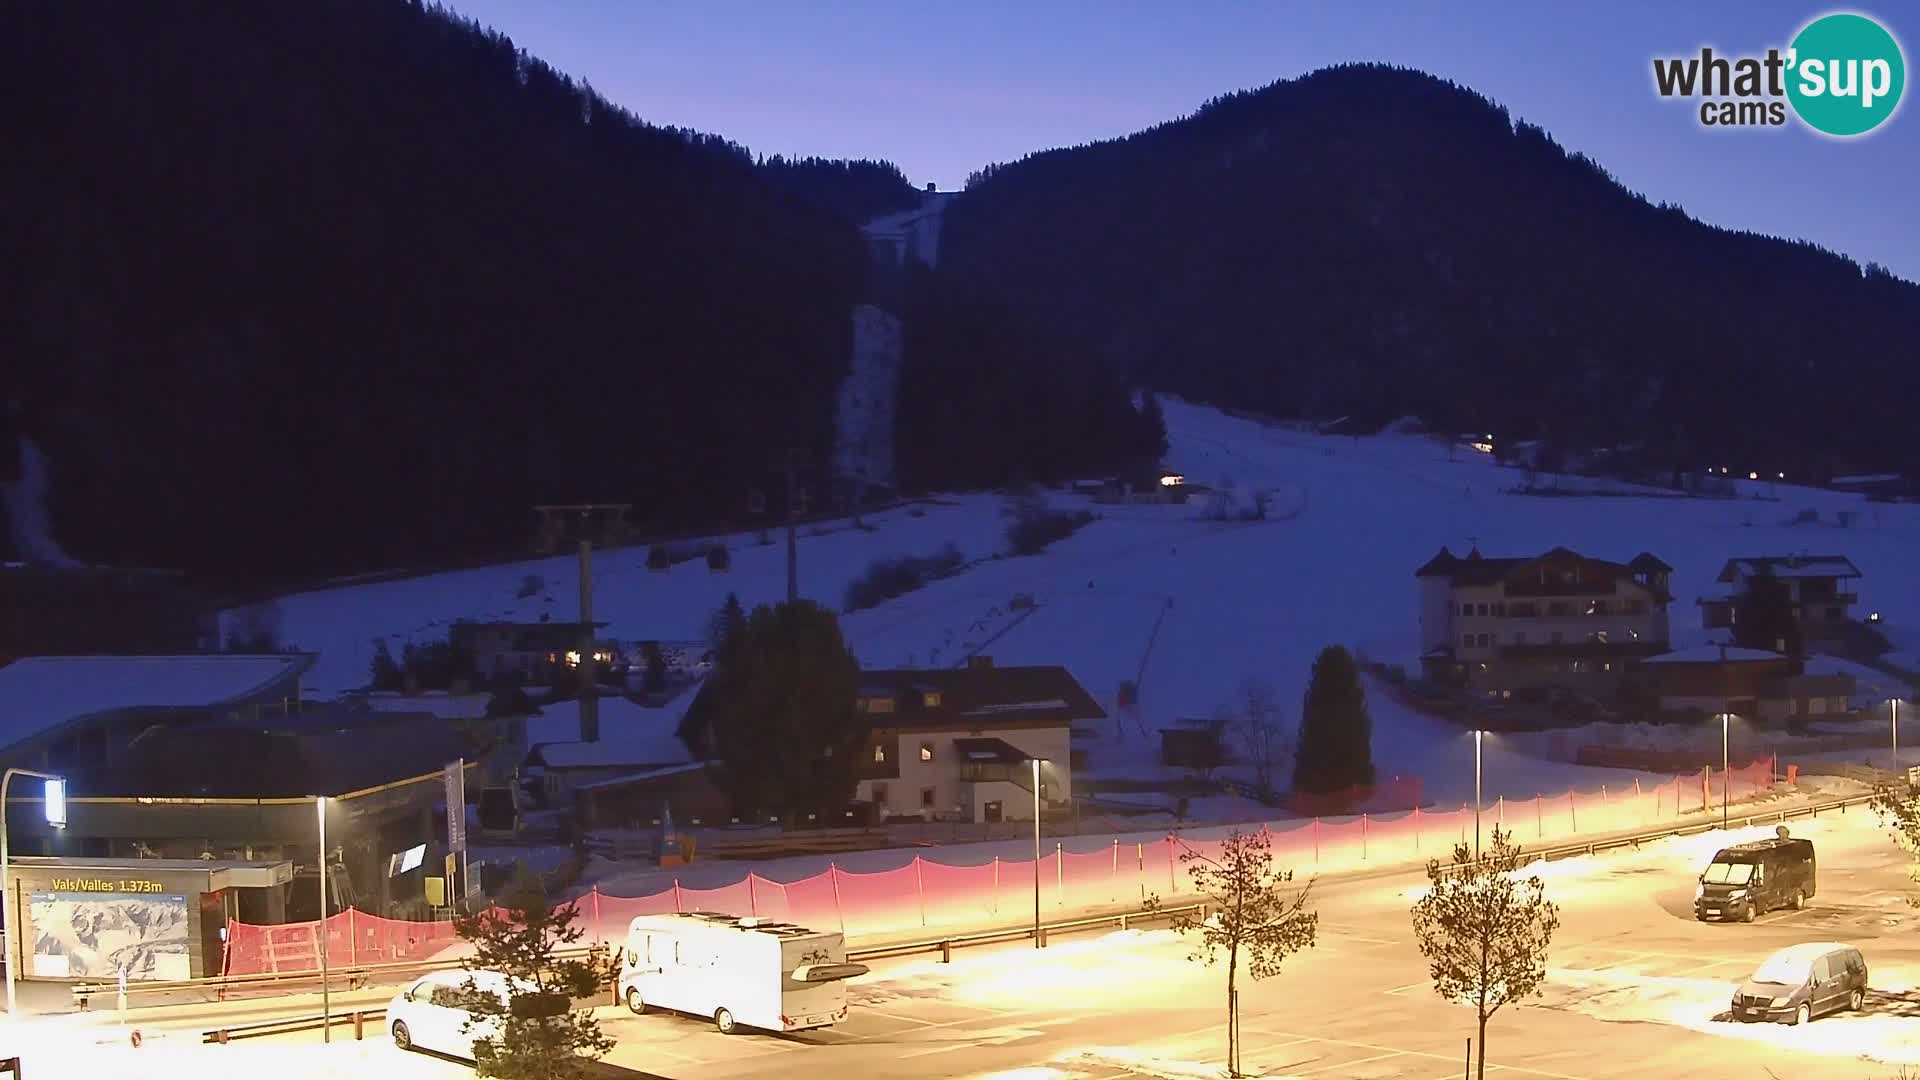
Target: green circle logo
(1845,74)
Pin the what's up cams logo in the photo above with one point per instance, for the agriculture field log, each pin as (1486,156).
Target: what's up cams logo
(1842,76)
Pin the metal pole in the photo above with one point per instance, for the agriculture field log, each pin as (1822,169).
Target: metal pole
(320,931)
(1895,702)
(1476,795)
(1725,720)
(1036,853)
(6,882)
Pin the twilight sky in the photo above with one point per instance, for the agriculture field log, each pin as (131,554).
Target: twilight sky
(942,90)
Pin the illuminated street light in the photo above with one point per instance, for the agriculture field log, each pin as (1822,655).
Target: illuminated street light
(1036,853)
(320,930)
(1476,792)
(1725,775)
(56,813)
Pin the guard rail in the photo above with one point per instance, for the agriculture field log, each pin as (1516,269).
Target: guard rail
(946,942)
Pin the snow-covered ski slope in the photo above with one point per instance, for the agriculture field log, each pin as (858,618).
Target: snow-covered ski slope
(1189,607)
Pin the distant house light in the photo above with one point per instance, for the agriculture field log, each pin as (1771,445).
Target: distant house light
(1172,480)
(1753,476)
(573,658)
(1783,476)
(1875,617)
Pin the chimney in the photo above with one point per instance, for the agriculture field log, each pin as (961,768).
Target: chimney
(930,188)
(979,662)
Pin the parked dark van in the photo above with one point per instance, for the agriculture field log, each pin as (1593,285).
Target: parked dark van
(1751,879)
(1799,983)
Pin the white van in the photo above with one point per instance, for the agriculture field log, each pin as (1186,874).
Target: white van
(431,1014)
(740,972)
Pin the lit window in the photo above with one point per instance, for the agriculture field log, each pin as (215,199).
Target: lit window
(931,699)
(926,751)
(879,754)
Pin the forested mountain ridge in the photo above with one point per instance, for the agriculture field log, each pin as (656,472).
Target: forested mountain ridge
(1371,242)
(310,289)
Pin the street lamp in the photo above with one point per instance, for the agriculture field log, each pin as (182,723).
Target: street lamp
(1476,792)
(1036,853)
(56,811)
(1727,775)
(320,929)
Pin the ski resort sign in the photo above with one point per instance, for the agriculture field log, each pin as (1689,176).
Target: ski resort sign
(1843,75)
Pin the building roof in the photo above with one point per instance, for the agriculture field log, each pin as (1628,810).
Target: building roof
(976,698)
(631,735)
(468,706)
(988,751)
(42,692)
(199,762)
(647,775)
(1788,566)
(1474,569)
(1715,654)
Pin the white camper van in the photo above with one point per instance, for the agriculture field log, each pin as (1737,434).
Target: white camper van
(740,972)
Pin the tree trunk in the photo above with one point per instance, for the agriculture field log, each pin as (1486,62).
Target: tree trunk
(1233,1015)
(1482,1067)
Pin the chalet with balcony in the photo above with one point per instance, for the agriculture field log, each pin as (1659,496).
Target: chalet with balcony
(1557,619)
(1820,587)
(960,744)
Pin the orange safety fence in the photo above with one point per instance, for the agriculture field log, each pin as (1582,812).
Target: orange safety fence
(928,894)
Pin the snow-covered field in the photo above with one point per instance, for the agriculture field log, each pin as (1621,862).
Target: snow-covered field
(1189,607)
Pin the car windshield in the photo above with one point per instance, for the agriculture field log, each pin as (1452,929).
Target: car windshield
(1725,873)
(1783,969)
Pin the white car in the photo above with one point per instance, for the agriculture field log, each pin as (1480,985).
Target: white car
(430,1014)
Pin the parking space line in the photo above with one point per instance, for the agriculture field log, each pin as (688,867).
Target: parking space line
(1388,1051)
(1345,1064)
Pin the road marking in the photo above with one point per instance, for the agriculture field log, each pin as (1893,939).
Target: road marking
(1345,1064)
(1388,1051)
(1409,986)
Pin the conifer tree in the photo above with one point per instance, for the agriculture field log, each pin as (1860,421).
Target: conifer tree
(1336,735)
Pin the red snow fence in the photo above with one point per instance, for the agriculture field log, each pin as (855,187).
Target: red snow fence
(1073,876)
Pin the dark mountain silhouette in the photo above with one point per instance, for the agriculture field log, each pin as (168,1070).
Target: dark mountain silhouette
(855,191)
(295,289)
(1374,242)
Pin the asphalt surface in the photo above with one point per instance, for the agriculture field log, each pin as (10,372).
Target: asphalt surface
(1636,989)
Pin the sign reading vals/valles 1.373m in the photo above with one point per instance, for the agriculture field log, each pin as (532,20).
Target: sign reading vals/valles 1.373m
(119,885)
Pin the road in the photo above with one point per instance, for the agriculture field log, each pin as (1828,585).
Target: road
(1635,986)
(1634,989)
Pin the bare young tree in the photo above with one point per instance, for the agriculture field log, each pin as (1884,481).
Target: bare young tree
(1484,930)
(1898,807)
(1266,742)
(1253,918)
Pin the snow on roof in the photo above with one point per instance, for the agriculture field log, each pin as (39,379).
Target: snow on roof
(1017,706)
(43,691)
(1792,566)
(630,734)
(650,774)
(446,706)
(1867,478)
(1712,654)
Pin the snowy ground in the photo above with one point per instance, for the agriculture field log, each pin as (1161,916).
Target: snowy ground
(1187,607)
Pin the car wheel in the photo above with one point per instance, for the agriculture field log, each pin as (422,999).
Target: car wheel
(1747,913)
(1803,1014)
(724,1021)
(402,1038)
(1856,999)
(634,1004)
(1800,900)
